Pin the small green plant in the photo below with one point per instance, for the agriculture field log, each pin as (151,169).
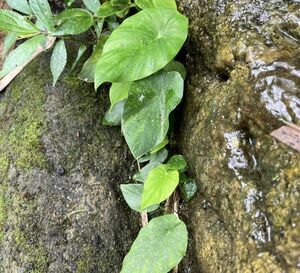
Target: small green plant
(135,55)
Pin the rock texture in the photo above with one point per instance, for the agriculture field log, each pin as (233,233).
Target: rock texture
(244,81)
(60,204)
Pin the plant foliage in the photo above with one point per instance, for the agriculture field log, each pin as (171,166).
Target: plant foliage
(135,54)
(166,238)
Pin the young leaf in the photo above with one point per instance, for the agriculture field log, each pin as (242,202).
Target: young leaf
(42,11)
(159,246)
(73,21)
(92,5)
(113,116)
(133,196)
(107,10)
(159,185)
(13,22)
(87,73)
(143,4)
(9,42)
(145,120)
(58,60)
(143,44)
(21,54)
(118,92)
(176,162)
(176,66)
(20,5)
(81,50)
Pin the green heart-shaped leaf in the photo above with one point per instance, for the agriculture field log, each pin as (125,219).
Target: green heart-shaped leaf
(159,185)
(141,45)
(145,122)
(158,248)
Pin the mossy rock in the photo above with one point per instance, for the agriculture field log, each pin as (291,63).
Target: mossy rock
(61,208)
(243,82)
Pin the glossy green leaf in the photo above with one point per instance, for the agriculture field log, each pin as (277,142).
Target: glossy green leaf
(144,4)
(22,54)
(9,42)
(41,9)
(20,5)
(58,60)
(73,22)
(81,50)
(142,175)
(176,162)
(87,73)
(13,22)
(107,10)
(176,66)
(143,44)
(159,185)
(113,116)
(159,246)
(145,121)
(92,5)
(118,92)
(133,196)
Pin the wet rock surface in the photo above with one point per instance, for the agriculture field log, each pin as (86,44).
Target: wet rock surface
(61,208)
(244,81)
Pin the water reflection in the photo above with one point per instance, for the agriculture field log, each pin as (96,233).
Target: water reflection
(278,86)
(243,162)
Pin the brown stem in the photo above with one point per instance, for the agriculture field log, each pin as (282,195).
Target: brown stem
(144,218)
(144,215)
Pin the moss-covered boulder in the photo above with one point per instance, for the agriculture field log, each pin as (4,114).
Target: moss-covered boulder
(60,204)
(244,81)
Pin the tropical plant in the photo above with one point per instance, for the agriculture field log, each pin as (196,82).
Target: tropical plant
(136,55)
